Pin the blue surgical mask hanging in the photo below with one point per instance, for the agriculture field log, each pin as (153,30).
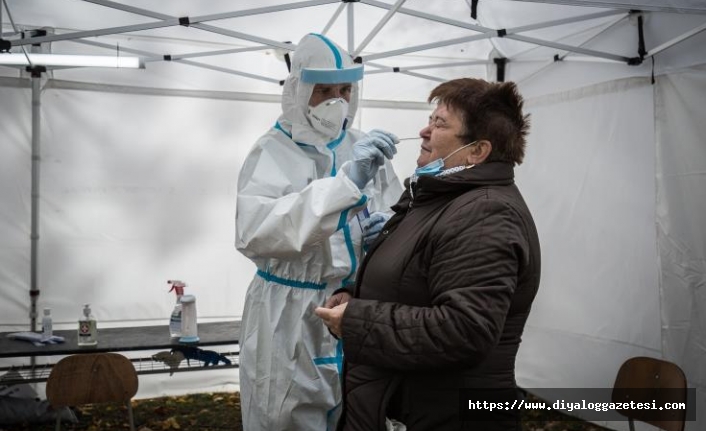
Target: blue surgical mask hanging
(435,167)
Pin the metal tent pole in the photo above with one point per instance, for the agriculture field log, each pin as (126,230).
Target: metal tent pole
(378,27)
(333,19)
(351,28)
(34,236)
(426,46)
(683,37)
(182,58)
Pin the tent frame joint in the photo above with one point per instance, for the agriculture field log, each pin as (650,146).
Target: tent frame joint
(184,20)
(36,71)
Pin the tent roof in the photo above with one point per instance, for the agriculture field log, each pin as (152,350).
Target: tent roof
(212,46)
(682,6)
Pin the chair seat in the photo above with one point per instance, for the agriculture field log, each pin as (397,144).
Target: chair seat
(90,379)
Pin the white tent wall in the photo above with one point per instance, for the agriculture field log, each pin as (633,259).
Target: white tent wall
(681,216)
(589,181)
(616,184)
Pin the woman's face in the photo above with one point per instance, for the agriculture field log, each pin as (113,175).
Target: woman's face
(323,92)
(441,137)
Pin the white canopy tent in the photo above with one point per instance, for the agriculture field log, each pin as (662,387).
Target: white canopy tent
(133,172)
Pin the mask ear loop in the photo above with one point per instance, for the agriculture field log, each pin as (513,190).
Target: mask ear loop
(459,149)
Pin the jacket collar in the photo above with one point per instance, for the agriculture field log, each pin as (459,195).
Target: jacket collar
(484,174)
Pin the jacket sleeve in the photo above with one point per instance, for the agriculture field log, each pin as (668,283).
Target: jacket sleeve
(282,207)
(473,261)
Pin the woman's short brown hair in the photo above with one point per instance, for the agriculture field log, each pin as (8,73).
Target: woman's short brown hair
(489,110)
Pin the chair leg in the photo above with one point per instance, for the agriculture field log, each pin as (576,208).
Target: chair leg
(130,416)
(57,427)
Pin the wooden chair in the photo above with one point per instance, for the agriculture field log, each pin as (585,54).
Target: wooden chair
(643,379)
(92,378)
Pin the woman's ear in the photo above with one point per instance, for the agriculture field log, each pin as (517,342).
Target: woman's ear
(479,152)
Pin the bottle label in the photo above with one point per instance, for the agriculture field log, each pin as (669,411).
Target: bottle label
(85,329)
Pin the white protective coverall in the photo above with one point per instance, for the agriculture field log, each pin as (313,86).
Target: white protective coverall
(296,220)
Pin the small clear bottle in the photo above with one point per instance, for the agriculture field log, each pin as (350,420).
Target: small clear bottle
(47,326)
(87,328)
(175,317)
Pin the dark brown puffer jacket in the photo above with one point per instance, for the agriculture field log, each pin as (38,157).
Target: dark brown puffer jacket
(441,302)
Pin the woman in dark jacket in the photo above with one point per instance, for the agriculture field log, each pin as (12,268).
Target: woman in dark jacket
(441,299)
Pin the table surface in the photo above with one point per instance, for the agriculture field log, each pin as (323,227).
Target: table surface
(122,339)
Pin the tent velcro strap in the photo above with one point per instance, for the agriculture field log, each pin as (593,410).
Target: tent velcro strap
(34,292)
(634,61)
(641,51)
(358,60)
(500,63)
(5,45)
(350,1)
(395,69)
(288,60)
(502,32)
(184,20)
(281,83)
(167,57)
(557,58)
(474,9)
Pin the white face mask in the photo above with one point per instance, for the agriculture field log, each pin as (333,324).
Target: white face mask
(329,116)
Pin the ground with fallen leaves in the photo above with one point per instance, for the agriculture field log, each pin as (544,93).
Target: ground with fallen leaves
(221,411)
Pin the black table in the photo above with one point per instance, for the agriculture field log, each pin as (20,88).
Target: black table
(123,339)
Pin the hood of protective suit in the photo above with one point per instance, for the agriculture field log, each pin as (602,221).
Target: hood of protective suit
(316,60)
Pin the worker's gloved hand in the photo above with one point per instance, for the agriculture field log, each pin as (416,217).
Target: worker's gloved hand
(369,154)
(372,226)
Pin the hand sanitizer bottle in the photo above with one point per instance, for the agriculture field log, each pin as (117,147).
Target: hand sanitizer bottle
(47,330)
(87,328)
(175,318)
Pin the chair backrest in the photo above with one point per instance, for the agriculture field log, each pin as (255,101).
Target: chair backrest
(643,379)
(91,378)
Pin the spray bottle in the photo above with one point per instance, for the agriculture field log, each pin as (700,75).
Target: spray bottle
(175,319)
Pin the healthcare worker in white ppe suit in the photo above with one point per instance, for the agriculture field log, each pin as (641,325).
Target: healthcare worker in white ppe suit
(302,195)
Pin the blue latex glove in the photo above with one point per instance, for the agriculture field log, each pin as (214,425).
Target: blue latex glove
(369,154)
(372,227)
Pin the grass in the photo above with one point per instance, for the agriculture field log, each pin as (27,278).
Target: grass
(221,411)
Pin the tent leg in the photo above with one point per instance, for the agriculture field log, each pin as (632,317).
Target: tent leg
(34,236)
